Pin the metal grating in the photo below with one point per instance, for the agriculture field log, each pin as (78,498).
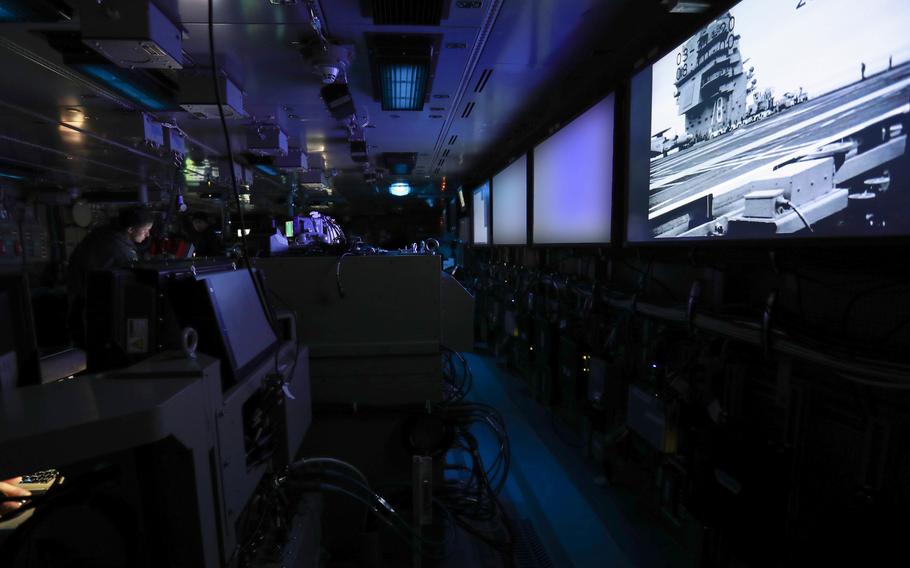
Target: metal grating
(402,67)
(529,550)
(403,86)
(453,139)
(467,110)
(489,18)
(407,12)
(482,81)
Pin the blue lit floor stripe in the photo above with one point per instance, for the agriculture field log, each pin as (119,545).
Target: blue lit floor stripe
(579,523)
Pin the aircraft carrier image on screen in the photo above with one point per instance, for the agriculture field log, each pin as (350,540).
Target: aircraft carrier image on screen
(750,164)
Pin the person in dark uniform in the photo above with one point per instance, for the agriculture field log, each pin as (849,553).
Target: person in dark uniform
(202,235)
(102,249)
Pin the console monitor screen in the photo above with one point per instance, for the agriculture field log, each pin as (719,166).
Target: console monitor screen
(246,331)
(573,180)
(779,119)
(510,204)
(481,215)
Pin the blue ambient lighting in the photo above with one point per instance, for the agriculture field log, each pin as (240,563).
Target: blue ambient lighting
(399,189)
(510,197)
(403,86)
(7,15)
(116,82)
(11,176)
(268,170)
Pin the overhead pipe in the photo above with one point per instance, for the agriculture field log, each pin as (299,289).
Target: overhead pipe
(93,136)
(49,169)
(65,154)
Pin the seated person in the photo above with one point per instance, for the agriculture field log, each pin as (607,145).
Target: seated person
(102,249)
(202,234)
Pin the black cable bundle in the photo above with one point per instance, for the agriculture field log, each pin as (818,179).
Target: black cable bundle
(473,499)
(456,373)
(332,475)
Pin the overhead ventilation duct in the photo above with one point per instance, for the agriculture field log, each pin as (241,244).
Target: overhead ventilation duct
(314,177)
(131,33)
(198,97)
(400,163)
(296,159)
(176,141)
(402,67)
(267,169)
(406,12)
(266,139)
(258,162)
(482,81)
(146,88)
(123,82)
(317,161)
(142,128)
(242,173)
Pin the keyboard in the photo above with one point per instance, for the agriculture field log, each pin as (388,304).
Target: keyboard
(39,482)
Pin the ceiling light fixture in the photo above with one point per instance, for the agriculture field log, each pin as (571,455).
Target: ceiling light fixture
(400,189)
(403,86)
(402,67)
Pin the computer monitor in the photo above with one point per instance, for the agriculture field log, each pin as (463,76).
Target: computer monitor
(480,212)
(246,334)
(510,204)
(573,180)
(778,120)
(133,314)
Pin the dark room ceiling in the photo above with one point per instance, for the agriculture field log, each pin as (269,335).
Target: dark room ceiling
(497,73)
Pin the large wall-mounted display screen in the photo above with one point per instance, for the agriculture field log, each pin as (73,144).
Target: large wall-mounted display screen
(480,210)
(573,180)
(779,119)
(510,204)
